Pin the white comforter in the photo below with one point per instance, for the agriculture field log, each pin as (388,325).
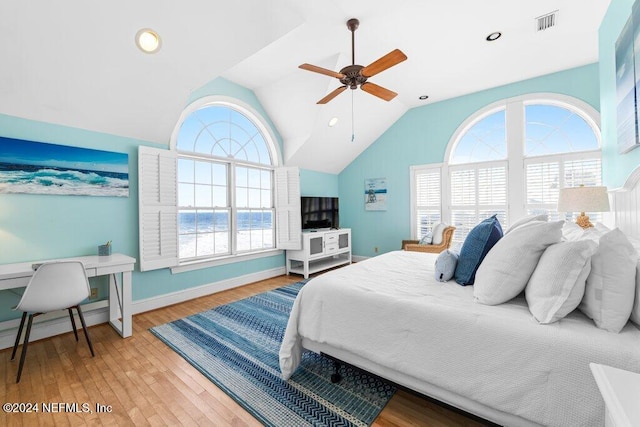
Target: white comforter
(391,311)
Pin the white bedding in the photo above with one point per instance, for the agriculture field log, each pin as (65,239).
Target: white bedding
(390,310)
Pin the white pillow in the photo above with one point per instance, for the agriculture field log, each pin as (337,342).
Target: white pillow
(611,285)
(635,313)
(571,231)
(437,233)
(526,219)
(557,284)
(506,269)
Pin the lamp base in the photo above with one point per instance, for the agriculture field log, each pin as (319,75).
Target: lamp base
(583,221)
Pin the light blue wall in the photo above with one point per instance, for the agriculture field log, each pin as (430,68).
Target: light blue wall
(421,137)
(314,183)
(616,167)
(41,226)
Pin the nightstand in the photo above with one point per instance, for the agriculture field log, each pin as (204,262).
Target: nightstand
(620,390)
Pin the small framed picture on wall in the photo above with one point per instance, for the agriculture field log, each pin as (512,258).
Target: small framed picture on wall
(375,194)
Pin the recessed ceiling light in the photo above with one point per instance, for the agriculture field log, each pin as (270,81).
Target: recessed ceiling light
(148,40)
(333,121)
(423,97)
(494,36)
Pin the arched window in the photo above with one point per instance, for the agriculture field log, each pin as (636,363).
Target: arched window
(510,159)
(226,161)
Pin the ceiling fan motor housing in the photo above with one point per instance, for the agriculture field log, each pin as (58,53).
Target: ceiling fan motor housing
(352,76)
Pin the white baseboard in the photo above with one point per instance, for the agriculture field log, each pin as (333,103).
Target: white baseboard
(154,303)
(96,313)
(48,325)
(358,258)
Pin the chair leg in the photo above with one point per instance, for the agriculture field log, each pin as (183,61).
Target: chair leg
(84,328)
(15,346)
(24,347)
(73,323)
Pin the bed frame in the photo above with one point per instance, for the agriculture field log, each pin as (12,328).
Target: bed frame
(626,207)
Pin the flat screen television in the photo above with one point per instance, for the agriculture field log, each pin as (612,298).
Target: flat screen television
(319,212)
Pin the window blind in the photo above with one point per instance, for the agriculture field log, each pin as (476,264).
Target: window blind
(427,199)
(477,193)
(544,179)
(158,212)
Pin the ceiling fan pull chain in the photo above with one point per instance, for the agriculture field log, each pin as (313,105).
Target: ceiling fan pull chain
(353,133)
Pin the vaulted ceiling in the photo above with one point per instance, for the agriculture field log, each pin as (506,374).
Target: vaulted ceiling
(74,63)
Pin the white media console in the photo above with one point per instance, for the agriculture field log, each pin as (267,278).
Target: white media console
(320,251)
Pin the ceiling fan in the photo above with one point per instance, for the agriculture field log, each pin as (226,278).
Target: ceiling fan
(355,75)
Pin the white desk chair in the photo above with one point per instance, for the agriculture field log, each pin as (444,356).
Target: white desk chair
(54,286)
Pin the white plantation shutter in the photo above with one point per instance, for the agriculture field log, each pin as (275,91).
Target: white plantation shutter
(427,199)
(544,179)
(158,212)
(477,192)
(288,220)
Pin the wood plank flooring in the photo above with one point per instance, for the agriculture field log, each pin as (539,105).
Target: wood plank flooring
(140,381)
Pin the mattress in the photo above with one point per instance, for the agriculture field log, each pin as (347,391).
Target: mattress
(392,313)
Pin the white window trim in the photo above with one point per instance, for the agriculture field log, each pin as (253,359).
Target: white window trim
(223,260)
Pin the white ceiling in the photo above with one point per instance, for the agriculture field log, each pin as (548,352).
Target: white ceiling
(74,63)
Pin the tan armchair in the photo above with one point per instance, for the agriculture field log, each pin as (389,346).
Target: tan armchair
(413,245)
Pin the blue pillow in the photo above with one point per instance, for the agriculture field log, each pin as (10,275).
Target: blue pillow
(477,244)
(446,265)
(426,239)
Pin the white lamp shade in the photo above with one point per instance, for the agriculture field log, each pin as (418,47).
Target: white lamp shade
(583,199)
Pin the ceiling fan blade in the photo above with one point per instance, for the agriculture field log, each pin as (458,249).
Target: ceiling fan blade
(321,70)
(389,60)
(332,95)
(378,91)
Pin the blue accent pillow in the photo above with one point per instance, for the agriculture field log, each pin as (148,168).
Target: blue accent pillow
(426,239)
(477,244)
(446,265)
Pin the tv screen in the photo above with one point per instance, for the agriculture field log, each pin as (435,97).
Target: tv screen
(319,212)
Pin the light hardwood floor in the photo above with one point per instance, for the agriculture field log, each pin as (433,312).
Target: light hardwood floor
(140,381)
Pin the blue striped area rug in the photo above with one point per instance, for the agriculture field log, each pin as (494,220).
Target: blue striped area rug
(236,346)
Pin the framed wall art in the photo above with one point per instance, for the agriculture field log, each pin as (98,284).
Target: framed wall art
(41,168)
(375,194)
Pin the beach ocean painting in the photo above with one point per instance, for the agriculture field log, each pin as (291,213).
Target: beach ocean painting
(41,168)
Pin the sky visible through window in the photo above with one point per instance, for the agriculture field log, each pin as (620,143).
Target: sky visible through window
(550,129)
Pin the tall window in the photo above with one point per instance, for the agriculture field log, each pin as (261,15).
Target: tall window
(512,157)
(225,184)
(478,174)
(427,210)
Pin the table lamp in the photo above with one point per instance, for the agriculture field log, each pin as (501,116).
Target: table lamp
(583,199)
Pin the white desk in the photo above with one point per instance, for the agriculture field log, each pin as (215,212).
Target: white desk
(620,390)
(18,275)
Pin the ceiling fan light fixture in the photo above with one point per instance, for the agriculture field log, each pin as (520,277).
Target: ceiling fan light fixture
(494,36)
(148,40)
(333,122)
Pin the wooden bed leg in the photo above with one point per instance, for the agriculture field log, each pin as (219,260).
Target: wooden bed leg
(336,377)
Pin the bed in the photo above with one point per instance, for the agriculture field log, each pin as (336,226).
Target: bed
(389,316)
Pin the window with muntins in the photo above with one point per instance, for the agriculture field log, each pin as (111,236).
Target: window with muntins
(510,159)
(225,184)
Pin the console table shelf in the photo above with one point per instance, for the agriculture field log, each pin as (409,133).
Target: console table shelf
(321,250)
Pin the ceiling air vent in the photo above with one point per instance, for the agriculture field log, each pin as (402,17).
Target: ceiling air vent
(547,20)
